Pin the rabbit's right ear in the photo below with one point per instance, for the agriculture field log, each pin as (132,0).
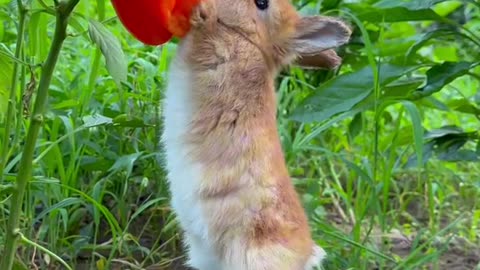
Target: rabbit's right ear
(315,39)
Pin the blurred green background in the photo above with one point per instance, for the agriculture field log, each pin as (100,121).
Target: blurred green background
(384,151)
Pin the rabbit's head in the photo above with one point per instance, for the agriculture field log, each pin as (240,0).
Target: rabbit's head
(270,31)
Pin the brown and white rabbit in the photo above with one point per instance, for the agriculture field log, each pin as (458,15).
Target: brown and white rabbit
(230,186)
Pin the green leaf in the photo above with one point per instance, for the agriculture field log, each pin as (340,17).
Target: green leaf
(444,131)
(443,34)
(344,92)
(124,120)
(409,4)
(6,189)
(75,23)
(447,143)
(463,155)
(6,72)
(463,105)
(428,151)
(38,36)
(418,131)
(401,89)
(356,126)
(19,265)
(96,120)
(144,207)
(394,14)
(111,50)
(441,75)
(126,163)
(62,204)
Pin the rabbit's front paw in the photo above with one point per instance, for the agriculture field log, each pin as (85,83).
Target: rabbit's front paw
(205,14)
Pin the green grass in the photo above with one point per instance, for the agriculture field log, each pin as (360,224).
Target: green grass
(387,171)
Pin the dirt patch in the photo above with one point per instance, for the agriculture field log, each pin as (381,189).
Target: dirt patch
(456,253)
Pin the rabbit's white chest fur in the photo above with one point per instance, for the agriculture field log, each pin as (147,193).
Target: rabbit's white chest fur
(183,174)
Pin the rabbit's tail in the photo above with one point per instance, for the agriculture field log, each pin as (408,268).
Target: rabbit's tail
(315,261)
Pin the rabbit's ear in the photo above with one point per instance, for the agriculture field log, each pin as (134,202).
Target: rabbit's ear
(327,59)
(316,37)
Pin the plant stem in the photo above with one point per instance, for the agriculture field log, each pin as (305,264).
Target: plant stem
(37,246)
(10,120)
(63,11)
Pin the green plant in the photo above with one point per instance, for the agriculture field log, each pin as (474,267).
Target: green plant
(63,11)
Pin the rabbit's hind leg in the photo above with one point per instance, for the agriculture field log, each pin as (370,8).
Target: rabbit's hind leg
(270,257)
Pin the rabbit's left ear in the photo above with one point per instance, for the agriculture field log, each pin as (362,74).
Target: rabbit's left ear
(315,38)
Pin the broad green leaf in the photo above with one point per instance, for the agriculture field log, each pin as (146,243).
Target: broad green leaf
(76,23)
(463,105)
(409,4)
(344,92)
(39,40)
(441,75)
(445,53)
(90,164)
(129,121)
(401,89)
(432,102)
(394,14)
(69,103)
(463,155)
(6,72)
(111,49)
(444,131)
(96,120)
(442,34)
(447,7)
(448,144)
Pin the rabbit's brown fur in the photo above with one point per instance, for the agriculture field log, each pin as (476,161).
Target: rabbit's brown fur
(247,213)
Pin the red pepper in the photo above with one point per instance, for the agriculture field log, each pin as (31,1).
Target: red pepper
(155,22)
(179,25)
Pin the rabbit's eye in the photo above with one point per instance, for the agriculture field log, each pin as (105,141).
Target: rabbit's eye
(262,4)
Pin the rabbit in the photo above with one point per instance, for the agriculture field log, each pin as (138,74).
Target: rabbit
(229,183)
